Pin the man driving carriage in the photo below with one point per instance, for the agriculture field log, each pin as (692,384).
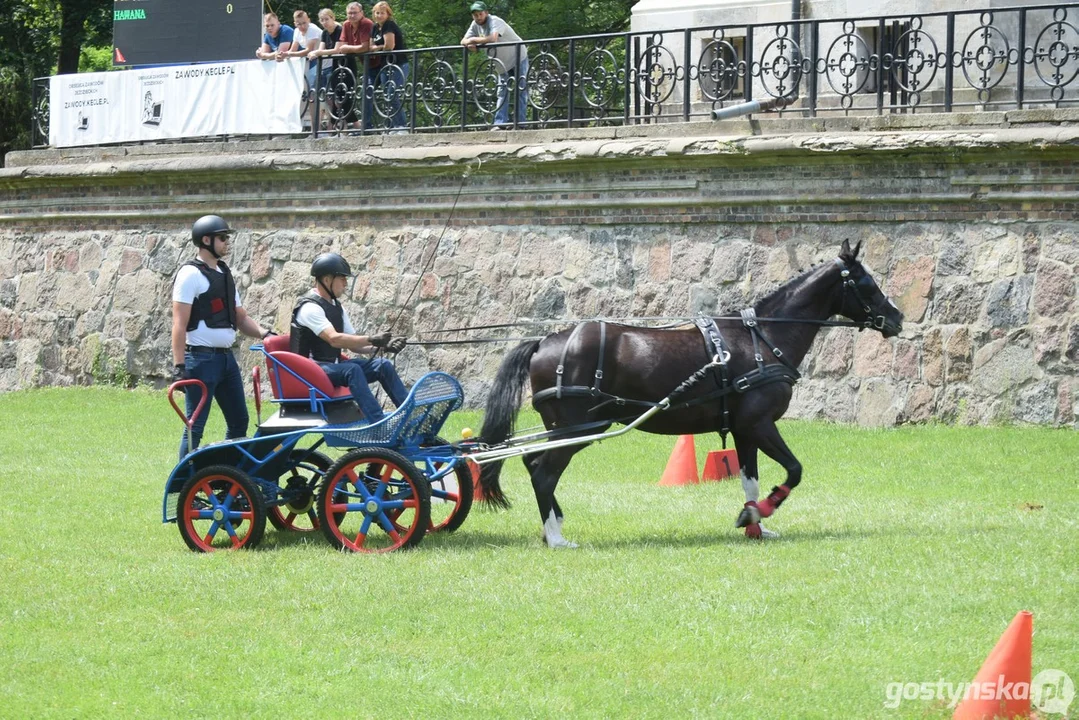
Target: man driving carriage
(321,329)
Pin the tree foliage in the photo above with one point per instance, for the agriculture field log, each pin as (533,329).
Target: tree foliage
(39,38)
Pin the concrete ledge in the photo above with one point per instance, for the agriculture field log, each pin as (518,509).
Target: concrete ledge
(726,142)
(959,129)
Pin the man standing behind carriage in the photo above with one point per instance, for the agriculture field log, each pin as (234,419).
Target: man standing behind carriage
(206,313)
(321,329)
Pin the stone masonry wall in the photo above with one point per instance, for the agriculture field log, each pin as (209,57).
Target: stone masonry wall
(969,224)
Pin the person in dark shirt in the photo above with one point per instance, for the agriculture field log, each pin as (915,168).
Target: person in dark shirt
(394,71)
(331,37)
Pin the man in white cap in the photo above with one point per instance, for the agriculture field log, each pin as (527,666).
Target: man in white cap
(512,60)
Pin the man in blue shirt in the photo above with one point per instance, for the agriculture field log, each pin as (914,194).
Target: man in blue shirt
(276,41)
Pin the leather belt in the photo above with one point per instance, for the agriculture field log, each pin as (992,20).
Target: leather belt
(206,349)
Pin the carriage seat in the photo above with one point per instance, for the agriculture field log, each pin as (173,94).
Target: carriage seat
(292,376)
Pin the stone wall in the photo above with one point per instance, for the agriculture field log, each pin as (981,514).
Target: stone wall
(969,223)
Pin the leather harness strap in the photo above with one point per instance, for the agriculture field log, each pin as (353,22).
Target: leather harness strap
(717,349)
(561,369)
(719,354)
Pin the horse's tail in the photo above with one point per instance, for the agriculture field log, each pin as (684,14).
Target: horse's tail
(501,416)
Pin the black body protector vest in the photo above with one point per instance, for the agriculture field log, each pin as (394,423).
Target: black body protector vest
(217,306)
(303,341)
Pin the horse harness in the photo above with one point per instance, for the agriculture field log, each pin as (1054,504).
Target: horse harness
(717,367)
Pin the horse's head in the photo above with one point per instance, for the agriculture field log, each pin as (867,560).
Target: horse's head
(862,300)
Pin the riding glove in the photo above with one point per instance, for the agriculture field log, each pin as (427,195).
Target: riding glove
(380,340)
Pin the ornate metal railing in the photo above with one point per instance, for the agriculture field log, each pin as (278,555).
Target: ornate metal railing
(936,62)
(39,112)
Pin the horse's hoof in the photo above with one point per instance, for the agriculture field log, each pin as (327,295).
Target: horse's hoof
(767,534)
(560,543)
(750,515)
(753,532)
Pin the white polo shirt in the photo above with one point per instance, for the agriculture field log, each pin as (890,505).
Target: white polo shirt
(313,317)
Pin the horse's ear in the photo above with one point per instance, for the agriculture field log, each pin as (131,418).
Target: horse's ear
(857,249)
(844,250)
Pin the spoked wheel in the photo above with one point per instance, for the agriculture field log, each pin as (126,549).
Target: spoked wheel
(299,485)
(221,509)
(451,496)
(374,500)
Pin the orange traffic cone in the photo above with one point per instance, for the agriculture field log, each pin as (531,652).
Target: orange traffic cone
(682,466)
(477,491)
(721,464)
(1005,674)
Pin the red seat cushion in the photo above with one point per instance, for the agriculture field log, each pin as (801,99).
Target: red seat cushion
(292,388)
(276,343)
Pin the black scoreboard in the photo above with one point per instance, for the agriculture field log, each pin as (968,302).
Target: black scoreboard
(159,32)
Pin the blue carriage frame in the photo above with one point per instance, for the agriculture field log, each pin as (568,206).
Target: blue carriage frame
(412,430)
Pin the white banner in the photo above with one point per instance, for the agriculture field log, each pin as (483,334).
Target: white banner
(252,97)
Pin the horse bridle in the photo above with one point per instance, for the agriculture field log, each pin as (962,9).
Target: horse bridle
(873,321)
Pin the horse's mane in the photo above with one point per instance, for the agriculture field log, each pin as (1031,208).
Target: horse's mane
(795,282)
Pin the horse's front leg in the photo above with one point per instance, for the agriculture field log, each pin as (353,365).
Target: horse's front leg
(545,475)
(747,461)
(766,436)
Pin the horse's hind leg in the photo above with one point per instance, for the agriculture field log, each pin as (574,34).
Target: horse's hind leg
(545,475)
(766,436)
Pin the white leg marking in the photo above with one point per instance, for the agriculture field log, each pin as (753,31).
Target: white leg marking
(752,488)
(552,533)
(767,534)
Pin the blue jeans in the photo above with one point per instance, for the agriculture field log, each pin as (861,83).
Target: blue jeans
(356,373)
(502,115)
(221,375)
(394,78)
(370,80)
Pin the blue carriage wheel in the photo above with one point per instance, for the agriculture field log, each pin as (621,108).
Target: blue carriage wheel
(220,509)
(295,510)
(374,500)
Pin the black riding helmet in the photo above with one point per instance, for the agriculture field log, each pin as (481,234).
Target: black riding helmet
(329,264)
(209,225)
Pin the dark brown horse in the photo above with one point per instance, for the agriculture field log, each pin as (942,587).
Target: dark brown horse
(642,366)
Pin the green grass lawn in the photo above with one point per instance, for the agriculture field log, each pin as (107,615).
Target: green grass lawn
(904,555)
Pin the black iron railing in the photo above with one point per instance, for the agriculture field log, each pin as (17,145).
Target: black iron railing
(935,62)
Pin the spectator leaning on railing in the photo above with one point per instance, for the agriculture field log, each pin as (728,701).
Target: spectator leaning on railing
(305,40)
(356,40)
(330,38)
(393,75)
(276,41)
(487,28)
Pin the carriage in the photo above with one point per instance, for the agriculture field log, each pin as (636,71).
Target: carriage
(710,375)
(396,481)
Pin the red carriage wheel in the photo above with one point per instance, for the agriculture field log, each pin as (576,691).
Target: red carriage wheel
(300,484)
(220,509)
(374,500)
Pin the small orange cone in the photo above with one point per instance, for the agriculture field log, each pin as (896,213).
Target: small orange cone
(994,691)
(720,465)
(682,466)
